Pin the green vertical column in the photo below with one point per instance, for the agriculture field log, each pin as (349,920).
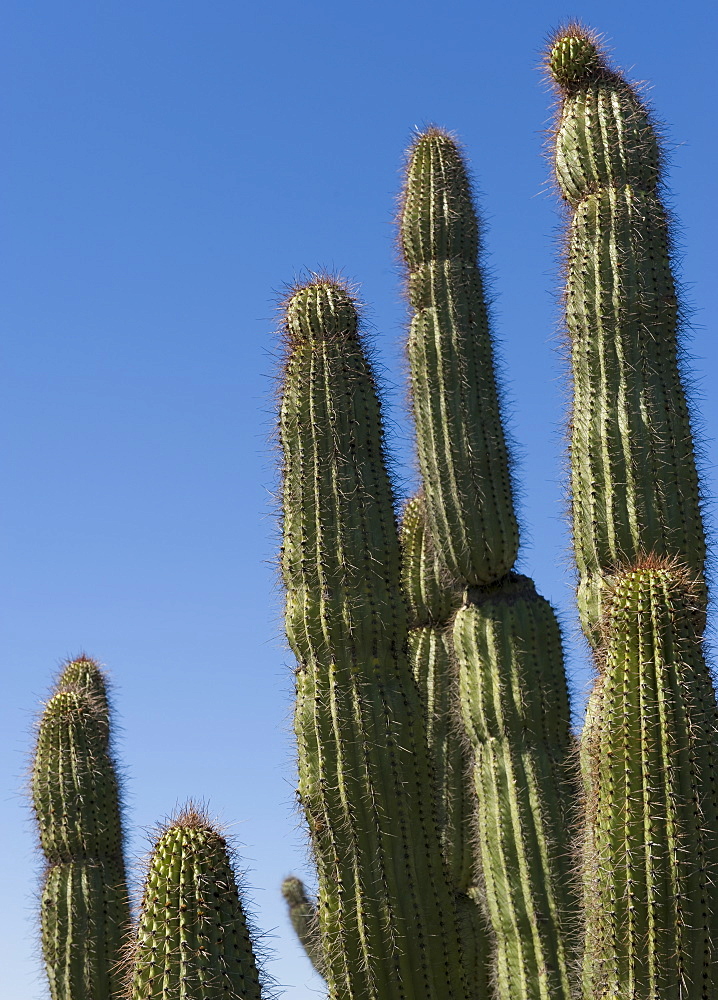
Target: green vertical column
(634,481)
(432,604)
(652,853)
(75,793)
(385,904)
(648,748)
(505,636)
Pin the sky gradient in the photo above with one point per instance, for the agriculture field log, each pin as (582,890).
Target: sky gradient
(169,168)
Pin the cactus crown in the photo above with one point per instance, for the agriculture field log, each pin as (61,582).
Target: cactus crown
(573,55)
(319,311)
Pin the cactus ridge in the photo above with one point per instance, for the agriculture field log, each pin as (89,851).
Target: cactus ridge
(651,867)
(463,454)
(193,938)
(75,794)
(385,905)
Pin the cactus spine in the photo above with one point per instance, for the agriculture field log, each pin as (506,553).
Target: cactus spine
(386,911)
(651,869)
(192,938)
(84,906)
(513,692)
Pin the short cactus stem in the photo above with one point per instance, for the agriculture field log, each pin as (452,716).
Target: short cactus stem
(85,908)
(516,712)
(303,915)
(192,938)
(386,914)
(651,866)
(635,485)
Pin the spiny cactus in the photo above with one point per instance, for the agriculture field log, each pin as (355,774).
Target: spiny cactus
(513,692)
(634,479)
(649,749)
(84,907)
(303,915)
(386,911)
(192,938)
(432,603)
(394,647)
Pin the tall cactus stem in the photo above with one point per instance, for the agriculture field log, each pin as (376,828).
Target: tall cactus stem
(651,865)
(386,914)
(520,759)
(648,749)
(432,603)
(634,478)
(462,450)
(516,712)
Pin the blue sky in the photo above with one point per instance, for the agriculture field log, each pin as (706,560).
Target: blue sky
(168,168)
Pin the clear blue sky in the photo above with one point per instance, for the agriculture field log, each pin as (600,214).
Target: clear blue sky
(167,167)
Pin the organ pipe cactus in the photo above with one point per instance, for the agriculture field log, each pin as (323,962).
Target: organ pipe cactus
(513,692)
(651,847)
(432,602)
(387,917)
(422,655)
(192,938)
(75,794)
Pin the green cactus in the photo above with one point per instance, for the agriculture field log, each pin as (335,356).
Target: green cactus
(423,655)
(635,485)
(432,603)
(386,913)
(75,794)
(512,688)
(649,750)
(193,938)
(303,915)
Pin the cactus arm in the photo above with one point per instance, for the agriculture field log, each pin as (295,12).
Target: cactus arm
(649,759)
(635,485)
(465,467)
(462,451)
(518,721)
(385,905)
(651,914)
(303,916)
(432,604)
(75,793)
(192,938)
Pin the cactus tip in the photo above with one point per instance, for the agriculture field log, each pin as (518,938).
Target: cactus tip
(319,310)
(573,55)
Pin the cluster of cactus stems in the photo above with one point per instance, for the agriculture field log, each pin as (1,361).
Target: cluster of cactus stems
(460,854)
(191,939)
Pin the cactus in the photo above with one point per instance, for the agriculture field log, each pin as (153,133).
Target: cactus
(649,750)
(432,603)
(386,913)
(303,915)
(192,937)
(512,687)
(424,655)
(75,793)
